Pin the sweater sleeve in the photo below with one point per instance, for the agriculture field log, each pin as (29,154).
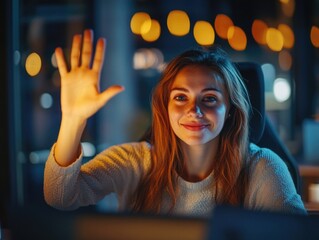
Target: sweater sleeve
(117,169)
(271,186)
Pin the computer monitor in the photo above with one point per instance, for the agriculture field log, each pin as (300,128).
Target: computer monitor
(225,223)
(50,224)
(241,224)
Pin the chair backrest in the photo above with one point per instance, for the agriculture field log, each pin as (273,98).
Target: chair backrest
(262,132)
(254,81)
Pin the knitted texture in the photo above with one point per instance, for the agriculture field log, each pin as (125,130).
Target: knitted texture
(119,169)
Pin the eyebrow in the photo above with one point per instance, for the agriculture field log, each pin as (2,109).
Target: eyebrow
(204,90)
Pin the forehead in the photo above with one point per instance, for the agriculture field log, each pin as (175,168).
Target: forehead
(198,77)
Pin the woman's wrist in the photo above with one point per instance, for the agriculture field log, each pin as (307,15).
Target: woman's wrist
(73,121)
(68,143)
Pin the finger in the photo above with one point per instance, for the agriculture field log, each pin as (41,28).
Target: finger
(87,48)
(110,92)
(76,51)
(60,61)
(99,55)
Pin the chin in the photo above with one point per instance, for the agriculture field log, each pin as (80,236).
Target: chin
(200,139)
(197,142)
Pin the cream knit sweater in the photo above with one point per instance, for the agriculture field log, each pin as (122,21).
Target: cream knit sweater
(119,168)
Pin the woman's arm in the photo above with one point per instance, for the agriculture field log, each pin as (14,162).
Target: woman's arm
(117,169)
(80,94)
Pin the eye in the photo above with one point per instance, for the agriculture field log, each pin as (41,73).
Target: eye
(209,99)
(180,98)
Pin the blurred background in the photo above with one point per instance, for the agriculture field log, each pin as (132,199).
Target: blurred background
(142,36)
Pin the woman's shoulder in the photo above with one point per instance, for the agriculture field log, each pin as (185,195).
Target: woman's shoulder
(266,164)
(263,157)
(256,151)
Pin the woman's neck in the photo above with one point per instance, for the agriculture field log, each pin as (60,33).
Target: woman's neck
(198,160)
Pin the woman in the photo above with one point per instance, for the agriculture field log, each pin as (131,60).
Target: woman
(199,154)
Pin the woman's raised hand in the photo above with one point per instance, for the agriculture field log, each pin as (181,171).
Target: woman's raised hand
(80,93)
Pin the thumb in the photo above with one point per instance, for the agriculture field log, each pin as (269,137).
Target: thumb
(110,92)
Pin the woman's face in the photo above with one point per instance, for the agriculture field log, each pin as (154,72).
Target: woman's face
(198,105)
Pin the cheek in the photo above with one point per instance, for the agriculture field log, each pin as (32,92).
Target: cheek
(172,113)
(175,113)
(216,114)
(174,110)
(221,115)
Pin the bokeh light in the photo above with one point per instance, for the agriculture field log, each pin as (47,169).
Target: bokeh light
(275,39)
(178,23)
(204,33)
(288,34)
(282,89)
(259,31)
(89,149)
(39,156)
(288,7)
(154,32)
(269,73)
(222,24)
(237,38)
(53,61)
(145,58)
(314,36)
(33,64)
(285,60)
(146,26)
(16,57)
(137,20)
(46,100)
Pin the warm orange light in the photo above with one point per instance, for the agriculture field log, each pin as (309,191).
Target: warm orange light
(314,36)
(204,33)
(275,39)
(178,23)
(285,60)
(288,34)
(222,24)
(154,33)
(137,21)
(237,38)
(288,7)
(146,26)
(33,64)
(259,30)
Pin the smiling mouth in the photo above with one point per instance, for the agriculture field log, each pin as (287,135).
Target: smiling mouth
(195,127)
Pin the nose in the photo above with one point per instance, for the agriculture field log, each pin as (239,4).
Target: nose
(195,111)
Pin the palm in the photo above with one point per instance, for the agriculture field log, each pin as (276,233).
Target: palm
(80,94)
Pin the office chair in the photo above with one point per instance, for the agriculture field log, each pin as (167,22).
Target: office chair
(262,133)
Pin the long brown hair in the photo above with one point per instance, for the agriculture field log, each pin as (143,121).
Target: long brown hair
(166,155)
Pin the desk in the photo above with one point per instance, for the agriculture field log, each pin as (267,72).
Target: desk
(309,174)
(309,170)
(139,228)
(38,223)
